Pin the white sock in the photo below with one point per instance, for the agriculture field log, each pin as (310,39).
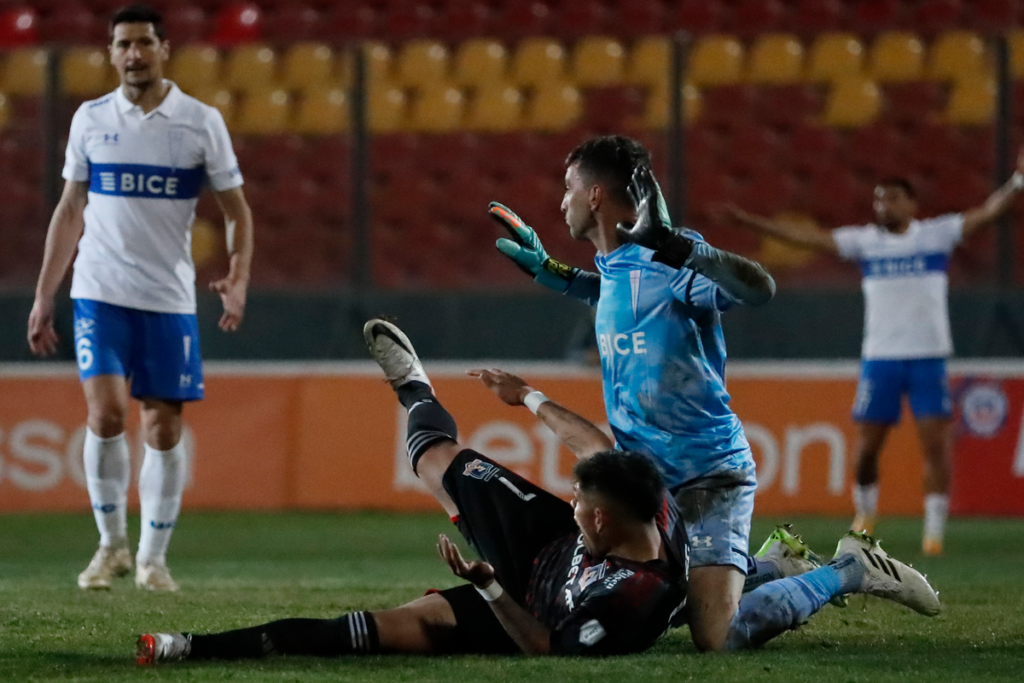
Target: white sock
(161,481)
(936,509)
(107,472)
(865,499)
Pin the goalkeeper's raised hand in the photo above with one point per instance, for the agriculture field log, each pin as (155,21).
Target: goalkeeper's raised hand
(526,251)
(651,229)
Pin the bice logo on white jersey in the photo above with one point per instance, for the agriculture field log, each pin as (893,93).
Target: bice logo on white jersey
(622,344)
(128,183)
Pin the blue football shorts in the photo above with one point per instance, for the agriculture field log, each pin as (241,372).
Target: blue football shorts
(157,352)
(716,511)
(884,382)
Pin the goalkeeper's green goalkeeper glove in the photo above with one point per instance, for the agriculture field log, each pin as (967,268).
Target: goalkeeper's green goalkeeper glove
(528,253)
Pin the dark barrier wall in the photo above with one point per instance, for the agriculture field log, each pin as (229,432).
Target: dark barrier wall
(534,326)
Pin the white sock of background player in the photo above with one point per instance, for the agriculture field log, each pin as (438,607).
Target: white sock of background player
(936,509)
(161,482)
(107,472)
(865,500)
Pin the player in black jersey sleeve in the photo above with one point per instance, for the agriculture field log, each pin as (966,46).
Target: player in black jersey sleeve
(602,576)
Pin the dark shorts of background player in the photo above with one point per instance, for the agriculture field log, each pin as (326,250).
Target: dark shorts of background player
(508,520)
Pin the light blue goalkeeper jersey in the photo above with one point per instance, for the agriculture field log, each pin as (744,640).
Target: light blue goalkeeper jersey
(663,361)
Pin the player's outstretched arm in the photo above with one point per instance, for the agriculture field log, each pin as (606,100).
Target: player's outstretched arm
(998,202)
(525,250)
(233,288)
(62,237)
(578,434)
(526,631)
(799,236)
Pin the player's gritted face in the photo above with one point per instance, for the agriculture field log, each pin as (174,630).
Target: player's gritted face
(893,206)
(588,518)
(138,54)
(578,203)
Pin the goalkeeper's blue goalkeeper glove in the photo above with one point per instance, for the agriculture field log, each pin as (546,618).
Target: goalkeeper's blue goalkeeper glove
(528,253)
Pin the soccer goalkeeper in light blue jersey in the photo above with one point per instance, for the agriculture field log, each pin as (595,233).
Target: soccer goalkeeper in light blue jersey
(659,294)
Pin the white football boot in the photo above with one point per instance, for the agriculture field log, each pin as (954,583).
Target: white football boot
(155,577)
(107,564)
(887,577)
(394,353)
(156,648)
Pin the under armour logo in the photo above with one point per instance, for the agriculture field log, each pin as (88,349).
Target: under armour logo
(701,541)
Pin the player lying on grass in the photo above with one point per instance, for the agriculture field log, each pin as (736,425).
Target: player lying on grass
(604,575)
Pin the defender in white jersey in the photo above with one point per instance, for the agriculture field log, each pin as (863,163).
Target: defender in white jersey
(136,162)
(906,330)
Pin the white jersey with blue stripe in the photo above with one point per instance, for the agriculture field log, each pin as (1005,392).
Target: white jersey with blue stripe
(145,172)
(905,285)
(663,359)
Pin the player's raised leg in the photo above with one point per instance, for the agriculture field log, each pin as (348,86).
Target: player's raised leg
(161,484)
(107,473)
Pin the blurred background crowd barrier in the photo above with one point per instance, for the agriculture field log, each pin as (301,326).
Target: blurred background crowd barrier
(373,133)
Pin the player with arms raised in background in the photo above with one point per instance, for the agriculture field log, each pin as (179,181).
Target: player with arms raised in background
(907,336)
(136,162)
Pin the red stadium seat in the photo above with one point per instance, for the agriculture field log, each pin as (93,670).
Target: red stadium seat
(580,18)
(874,16)
(729,106)
(752,149)
(344,22)
(993,16)
(703,150)
(73,23)
(640,18)
(19,27)
(956,191)
(237,23)
(699,17)
(707,192)
(393,153)
(909,103)
(754,17)
(932,17)
(835,198)
(979,149)
(185,23)
(606,109)
(818,16)
(934,146)
(445,156)
(404,22)
(292,23)
(813,148)
(875,150)
(521,18)
(464,20)
(789,105)
(768,193)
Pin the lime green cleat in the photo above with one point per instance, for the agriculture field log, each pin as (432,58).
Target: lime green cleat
(793,556)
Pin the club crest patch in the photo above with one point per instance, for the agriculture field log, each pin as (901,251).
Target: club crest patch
(478,469)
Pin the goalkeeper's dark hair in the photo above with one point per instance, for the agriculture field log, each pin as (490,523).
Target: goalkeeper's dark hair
(139,14)
(628,479)
(610,160)
(899,183)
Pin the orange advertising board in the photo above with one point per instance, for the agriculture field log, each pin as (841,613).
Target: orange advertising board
(332,436)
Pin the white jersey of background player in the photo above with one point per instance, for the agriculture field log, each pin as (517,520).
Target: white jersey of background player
(136,162)
(906,330)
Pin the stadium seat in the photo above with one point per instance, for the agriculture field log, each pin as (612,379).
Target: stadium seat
(933,146)
(730,106)
(580,18)
(853,101)
(814,17)
(462,20)
(554,106)
(833,198)
(649,62)
(194,66)
(345,22)
(379,63)
(707,192)
(958,55)
(786,106)
(874,16)
(23,71)
(307,65)
(872,150)
(421,64)
(480,62)
(992,16)
(972,102)
(813,148)
(932,17)
(237,23)
(5,112)
(639,18)
(768,193)
(84,71)
(322,111)
(610,109)
(185,24)
(72,23)
(753,17)
(250,67)
(597,62)
(220,98)
(752,149)
(292,22)
(958,190)
(657,105)
(716,60)
(699,17)
(386,106)
(538,61)
(263,112)
(495,108)
(834,55)
(409,21)
(896,56)
(437,108)
(776,58)
(524,19)
(19,27)
(910,103)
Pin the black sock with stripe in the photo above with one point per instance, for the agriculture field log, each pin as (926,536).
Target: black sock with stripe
(353,633)
(429,423)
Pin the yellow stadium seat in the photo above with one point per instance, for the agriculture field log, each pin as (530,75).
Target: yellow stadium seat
(649,62)
(495,108)
(598,61)
(657,106)
(218,97)
(775,253)
(957,55)
(5,112)
(206,242)
(853,101)
(834,55)
(251,68)
(554,106)
(84,71)
(322,111)
(386,107)
(378,63)
(480,62)
(24,71)
(538,61)
(307,65)
(421,63)
(972,102)
(776,58)
(1016,42)
(437,109)
(896,56)
(716,60)
(194,66)
(263,112)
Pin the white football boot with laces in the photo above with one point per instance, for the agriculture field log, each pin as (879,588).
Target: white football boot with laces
(394,353)
(156,648)
(155,577)
(887,577)
(107,564)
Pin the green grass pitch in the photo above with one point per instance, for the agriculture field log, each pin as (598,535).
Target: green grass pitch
(242,569)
